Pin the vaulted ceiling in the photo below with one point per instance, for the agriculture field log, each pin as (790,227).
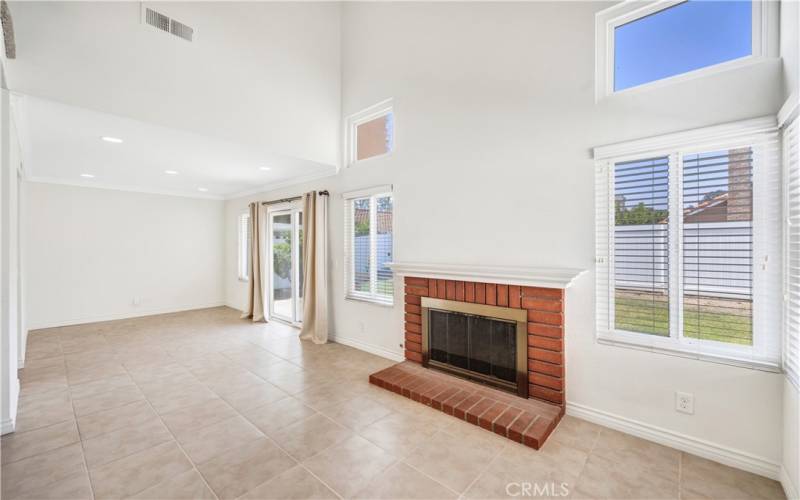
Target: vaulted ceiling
(259,85)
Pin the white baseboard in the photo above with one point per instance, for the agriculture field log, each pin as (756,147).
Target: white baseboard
(7,426)
(370,348)
(789,488)
(702,448)
(124,315)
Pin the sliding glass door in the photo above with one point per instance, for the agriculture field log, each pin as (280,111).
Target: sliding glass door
(285,260)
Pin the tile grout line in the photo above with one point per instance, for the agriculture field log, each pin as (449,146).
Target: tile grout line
(484,469)
(175,440)
(78,429)
(588,455)
(403,461)
(297,462)
(319,411)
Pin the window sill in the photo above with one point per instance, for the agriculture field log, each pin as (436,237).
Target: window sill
(712,358)
(369,300)
(356,163)
(731,65)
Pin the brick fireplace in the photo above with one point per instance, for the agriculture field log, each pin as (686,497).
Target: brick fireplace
(531,301)
(545,325)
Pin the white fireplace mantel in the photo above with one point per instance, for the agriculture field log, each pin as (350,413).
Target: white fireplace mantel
(547,277)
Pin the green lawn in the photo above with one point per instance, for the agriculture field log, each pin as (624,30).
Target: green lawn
(385,287)
(703,322)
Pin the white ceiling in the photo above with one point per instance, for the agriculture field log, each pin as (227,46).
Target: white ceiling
(61,142)
(260,84)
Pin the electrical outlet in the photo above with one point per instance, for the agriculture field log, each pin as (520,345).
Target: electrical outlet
(684,402)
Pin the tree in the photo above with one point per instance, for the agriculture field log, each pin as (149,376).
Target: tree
(640,214)
(282,253)
(362,227)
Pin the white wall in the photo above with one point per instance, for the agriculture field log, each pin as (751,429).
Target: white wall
(11,325)
(495,119)
(791,439)
(790,45)
(90,252)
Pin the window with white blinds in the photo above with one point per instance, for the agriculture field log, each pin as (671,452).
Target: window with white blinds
(791,159)
(718,245)
(369,246)
(641,246)
(688,259)
(244,246)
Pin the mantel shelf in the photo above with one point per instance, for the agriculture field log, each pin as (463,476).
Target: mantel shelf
(547,277)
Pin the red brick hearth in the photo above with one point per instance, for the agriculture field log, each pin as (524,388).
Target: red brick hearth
(527,421)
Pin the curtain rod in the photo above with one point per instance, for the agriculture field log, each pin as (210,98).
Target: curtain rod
(324,192)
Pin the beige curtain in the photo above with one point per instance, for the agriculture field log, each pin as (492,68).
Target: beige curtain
(255,290)
(315,268)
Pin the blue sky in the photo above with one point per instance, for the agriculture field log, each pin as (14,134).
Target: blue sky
(683,38)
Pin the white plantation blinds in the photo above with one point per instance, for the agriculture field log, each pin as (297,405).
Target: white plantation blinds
(361,234)
(641,246)
(384,208)
(369,246)
(244,246)
(791,158)
(718,245)
(688,259)
(603,216)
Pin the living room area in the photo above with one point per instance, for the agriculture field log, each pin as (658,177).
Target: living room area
(400,249)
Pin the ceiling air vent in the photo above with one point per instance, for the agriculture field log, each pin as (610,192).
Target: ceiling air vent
(181,30)
(164,23)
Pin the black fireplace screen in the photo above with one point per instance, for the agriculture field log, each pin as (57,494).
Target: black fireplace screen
(478,344)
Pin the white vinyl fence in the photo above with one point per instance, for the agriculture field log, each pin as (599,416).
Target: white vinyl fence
(717,258)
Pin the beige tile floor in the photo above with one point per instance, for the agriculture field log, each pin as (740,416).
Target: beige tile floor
(203,405)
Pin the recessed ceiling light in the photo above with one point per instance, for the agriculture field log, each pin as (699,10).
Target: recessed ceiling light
(202,190)
(265,168)
(115,140)
(171,172)
(87,176)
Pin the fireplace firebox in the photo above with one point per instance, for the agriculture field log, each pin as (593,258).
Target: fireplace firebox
(484,343)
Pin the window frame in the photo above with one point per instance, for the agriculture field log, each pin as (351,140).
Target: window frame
(352,122)
(791,341)
(349,268)
(759,134)
(243,259)
(764,43)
